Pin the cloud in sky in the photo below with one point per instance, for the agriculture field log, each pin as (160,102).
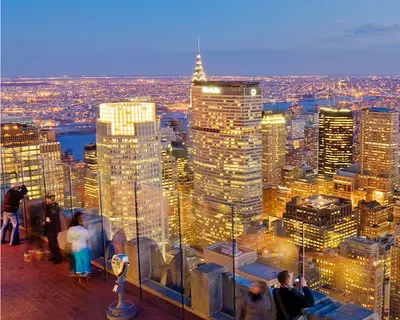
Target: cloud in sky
(366,30)
(373,29)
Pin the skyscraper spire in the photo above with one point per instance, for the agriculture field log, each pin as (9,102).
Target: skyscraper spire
(198,44)
(198,74)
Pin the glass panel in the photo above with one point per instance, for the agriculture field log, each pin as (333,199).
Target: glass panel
(207,244)
(117,213)
(263,250)
(159,240)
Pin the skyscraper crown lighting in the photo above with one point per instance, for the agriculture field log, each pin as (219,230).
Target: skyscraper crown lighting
(198,74)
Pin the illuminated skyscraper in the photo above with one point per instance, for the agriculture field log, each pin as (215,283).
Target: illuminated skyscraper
(52,169)
(227,154)
(273,147)
(326,220)
(395,283)
(374,219)
(371,259)
(169,178)
(129,155)
(357,272)
(29,157)
(335,141)
(91,182)
(379,145)
(198,74)
(311,145)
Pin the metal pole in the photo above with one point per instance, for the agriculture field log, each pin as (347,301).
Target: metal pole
(303,253)
(384,285)
(137,239)
(70,190)
(3,183)
(233,260)
(182,257)
(25,205)
(44,177)
(102,226)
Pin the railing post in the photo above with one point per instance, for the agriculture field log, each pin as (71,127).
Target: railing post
(137,239)
(233,260)
(182,257)
(102,227)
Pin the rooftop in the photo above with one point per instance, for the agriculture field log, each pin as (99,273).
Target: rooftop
(225,249)
(208,267)
(228,83)
(260,270)
(323,202)
(370,204)
(335,109)
(349,311)
(379,109)
(361,239)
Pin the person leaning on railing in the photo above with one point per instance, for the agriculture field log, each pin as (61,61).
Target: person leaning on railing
(289,302)
(12,200)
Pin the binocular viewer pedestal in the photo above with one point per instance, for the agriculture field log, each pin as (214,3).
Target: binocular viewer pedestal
(121,309)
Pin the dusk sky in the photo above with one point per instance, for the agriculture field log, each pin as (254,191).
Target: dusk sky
(158,37)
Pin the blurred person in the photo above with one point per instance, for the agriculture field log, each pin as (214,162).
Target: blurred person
(72,268)
(52,227)
(289,301)
(254,305)
(11,203)
(78,236)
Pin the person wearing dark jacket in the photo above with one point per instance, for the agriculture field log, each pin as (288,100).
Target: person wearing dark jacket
(52,226)
(289,302)
(11,203)
(254,305)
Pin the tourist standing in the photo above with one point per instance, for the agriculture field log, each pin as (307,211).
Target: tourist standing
(52,227)
(78,236)
(12,200)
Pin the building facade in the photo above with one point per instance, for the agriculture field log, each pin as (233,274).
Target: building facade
(91,187)
(395,283)
(169,178)
(324,220)
(335,140)
(374,220)
(273,147)
(29,157)
(227,153)
(129,161)
(367,258)
(379,152)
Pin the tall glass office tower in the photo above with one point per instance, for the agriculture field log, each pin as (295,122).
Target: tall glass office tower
(226,138)
(335,141)
(129,155)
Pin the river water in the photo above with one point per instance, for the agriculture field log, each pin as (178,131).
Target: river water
(76,141)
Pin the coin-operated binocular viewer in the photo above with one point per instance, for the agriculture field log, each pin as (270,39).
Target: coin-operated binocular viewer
(121,309)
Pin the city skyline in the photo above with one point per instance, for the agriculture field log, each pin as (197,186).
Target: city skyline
(357,38)
(222,173)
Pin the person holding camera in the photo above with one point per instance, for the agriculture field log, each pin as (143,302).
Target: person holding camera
(288,300)
(11,203)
